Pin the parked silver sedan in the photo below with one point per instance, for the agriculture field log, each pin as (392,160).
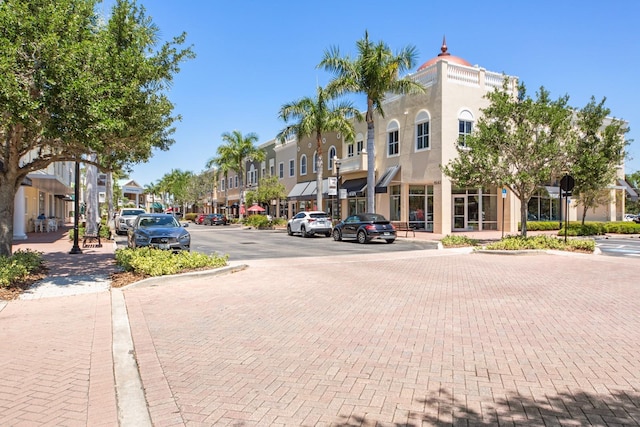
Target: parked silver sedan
(160,231)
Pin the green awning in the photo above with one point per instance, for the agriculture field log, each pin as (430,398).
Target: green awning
(156,205)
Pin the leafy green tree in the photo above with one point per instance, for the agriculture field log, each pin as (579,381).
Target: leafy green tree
(175,185)
(315,116)
(518,142)
(599,150)
(375,72)
(269,188)
(71,85)
(633,206)
(235,151)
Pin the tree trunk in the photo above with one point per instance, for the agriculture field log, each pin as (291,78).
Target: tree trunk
(371,162)
(319,171)
(109,196)
(524,214)
(8,189)
(92,214)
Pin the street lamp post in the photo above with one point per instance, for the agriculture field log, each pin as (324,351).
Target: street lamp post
(337,163)
(76,212)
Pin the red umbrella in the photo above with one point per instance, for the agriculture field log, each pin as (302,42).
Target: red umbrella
(256,208)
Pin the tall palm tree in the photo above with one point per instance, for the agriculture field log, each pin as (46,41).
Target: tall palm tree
(313,116)
(235,151)
(375,73)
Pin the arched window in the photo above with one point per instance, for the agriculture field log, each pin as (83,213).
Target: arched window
(393,139)
(303,164)
(465,126)
(422,131)
(332,155)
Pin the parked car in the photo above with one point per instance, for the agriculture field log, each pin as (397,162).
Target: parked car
(125,219)
(160,231)
(215,219)
(637,219)
(309,223)
(365,227)
(630,217)
(199,218)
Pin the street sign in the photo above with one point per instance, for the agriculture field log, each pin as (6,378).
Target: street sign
(504,193)
(333,186)
(567,183)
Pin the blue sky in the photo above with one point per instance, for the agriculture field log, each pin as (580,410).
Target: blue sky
(254,56)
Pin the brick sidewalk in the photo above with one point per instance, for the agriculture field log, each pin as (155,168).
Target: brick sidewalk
(477,339)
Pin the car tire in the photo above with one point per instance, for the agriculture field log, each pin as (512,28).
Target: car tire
(336,235)
(327,234)
(362,237)
(303,232)
(390,240)
(289,232)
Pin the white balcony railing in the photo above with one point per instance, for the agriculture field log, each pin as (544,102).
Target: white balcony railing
(353,164)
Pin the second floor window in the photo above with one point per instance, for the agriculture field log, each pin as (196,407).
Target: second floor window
(464,130)
(393,148)
(280,170)
(292,168)
(303,165)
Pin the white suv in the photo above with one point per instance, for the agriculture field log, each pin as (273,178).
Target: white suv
(310,223)
(125,219)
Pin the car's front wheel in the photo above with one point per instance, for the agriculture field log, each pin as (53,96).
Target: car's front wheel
(362,237)
(336,235)
(289,232)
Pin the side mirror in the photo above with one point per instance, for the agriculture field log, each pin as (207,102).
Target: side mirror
(185,224)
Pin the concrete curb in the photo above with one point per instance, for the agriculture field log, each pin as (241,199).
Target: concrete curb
(155,281)
(132,403)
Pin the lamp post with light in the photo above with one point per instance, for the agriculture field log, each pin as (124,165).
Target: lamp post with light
(76,211)
(336,162)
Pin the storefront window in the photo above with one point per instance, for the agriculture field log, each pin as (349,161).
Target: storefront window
(417,206)
(357,205)
(394,215)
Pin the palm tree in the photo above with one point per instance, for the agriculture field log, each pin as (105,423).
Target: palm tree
(374,72)
(313,116)
(235,151)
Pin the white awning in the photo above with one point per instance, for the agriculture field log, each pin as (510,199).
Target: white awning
(629,189)
(298,189)
(385,179)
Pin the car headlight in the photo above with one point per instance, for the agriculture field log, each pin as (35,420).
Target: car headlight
(184,238)
(141,238)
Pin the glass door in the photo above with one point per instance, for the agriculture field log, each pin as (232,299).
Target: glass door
(459,213)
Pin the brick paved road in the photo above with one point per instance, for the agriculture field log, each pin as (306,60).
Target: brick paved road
(410,340)
(56,365)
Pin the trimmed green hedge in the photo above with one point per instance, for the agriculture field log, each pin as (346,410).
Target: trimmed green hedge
(599,228)
(191,216)
(18,266)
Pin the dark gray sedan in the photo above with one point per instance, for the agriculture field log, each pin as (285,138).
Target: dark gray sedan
(160,231)
(365,227)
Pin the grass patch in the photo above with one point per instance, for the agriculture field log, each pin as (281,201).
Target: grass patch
(155,262)
(453,241)
(542,242)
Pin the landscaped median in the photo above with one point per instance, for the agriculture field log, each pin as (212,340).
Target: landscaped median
(520,243)
(141,263)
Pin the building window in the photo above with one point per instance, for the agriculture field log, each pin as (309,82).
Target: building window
(303,165)
(222,183)
(314,166)
(281,170)
(271,170)
(393,145)
(465,126)
(237,181)
(395,203)
(359,147)
(422,131)
(332,155)
(350,150)
(292,168)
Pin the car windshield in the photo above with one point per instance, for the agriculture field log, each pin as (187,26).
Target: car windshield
(318,215)
(158,222)
(373,217)
(132,212)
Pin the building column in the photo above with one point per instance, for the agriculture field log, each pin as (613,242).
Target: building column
(19,216)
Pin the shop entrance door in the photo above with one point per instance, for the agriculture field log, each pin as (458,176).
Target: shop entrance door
(459,213)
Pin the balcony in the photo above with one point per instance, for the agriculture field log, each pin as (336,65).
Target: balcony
(354,164)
